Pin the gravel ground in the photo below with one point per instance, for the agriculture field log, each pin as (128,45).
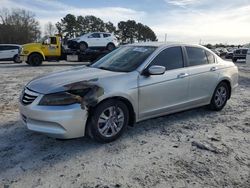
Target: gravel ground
(196,148)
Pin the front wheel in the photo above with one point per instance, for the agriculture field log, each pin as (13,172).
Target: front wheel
(108,121)
(220,97)
(83,46)
(35,59)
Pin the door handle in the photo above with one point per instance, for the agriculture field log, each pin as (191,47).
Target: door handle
(183,75)
(214,69)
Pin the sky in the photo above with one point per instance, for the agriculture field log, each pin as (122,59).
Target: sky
(208,21)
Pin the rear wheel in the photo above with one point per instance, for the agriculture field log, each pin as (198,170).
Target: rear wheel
(108,121)
(16,59)
(110,47)
(220,97)
(35,59)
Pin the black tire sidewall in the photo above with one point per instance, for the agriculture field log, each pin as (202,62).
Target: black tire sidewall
(213,105)
(110,47)
(94,133)
(16,60)
(83,44)
(31,60)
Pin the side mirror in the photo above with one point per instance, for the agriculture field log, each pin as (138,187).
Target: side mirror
(156,70)
(46,42)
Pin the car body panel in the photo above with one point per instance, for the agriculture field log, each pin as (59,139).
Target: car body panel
(164,91)
(8,51)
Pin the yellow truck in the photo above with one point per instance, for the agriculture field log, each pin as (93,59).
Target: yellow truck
(50,48)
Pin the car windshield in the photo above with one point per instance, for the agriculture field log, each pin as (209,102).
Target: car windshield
(125,59)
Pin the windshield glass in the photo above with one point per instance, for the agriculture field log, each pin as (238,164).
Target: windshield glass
(43,39)
(125,59)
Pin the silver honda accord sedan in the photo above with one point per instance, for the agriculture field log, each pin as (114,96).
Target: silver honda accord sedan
(133,83)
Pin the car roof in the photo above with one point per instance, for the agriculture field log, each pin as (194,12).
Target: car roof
(163,44)
(100,33)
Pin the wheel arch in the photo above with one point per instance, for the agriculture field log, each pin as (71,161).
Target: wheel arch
(39,53)
(228,82)
(110,43)
(132,114)
(84,43)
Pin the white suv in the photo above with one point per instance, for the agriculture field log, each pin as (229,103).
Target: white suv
(94,40)
(9,52)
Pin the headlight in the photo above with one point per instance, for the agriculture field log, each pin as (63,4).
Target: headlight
(59,99)
(20,50)
(25,51)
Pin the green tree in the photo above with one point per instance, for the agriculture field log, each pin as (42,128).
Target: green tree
(67,26)
(130,31)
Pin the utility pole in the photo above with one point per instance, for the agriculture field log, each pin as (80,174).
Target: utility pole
(166,36)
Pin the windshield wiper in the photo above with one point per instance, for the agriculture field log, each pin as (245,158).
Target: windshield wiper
(104,68)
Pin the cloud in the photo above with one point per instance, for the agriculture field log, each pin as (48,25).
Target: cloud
(182,3)
(183,20)
(48,10)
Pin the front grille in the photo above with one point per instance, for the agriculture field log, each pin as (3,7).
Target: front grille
(28,96)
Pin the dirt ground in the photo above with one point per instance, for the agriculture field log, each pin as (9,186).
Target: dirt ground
(196,148)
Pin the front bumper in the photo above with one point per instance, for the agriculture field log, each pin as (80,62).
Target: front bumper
(23,58)
(56,121)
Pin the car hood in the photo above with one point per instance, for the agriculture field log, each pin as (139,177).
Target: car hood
(60,81)
(31,45)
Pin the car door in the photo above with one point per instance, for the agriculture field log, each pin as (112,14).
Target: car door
(6,52)
(51,47)
(12,51)
(160,94)
(94,40)
(203,75)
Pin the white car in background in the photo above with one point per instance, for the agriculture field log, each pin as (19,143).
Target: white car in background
(95,40)
(9,52)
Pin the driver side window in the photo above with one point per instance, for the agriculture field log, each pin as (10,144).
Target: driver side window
(95,35)
(171,58)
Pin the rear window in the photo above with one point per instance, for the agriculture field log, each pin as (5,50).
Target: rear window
(105,35)
(7,47)
(237,51)
(196,56)
(244,51)
(210,57)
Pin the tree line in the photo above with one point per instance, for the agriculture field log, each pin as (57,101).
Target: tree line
(18,26)
(127,31)
(21,26)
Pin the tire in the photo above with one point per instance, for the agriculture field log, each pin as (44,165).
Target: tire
(235,60)
(83,46)
(102,126)
(35,60)
(220,97)
(110,47)
(16,59)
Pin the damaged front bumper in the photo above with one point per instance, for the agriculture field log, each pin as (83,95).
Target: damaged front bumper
(64,122)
